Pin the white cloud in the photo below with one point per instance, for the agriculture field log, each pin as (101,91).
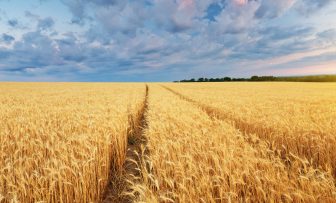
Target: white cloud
(164,36)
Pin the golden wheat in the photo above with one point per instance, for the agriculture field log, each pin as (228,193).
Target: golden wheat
(197,158)
(213,142)
(296,118)
(58,141)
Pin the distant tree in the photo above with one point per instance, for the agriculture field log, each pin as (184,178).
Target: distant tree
(313,78)
(263,78)
(254,78)
(240,79)
(227,79)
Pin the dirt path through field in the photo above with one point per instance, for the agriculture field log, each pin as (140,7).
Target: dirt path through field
(118,186)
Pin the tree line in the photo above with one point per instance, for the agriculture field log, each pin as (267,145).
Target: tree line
(313,78)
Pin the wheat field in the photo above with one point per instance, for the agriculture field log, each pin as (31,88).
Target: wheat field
(165,142)
(299,119)
(59,141)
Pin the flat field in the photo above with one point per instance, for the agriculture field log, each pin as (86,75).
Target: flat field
(168,142)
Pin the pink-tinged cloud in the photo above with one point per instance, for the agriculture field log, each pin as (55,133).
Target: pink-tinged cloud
(184,4)
(184,14)
(323,68)
(240,2)
(300,55)
(260,64)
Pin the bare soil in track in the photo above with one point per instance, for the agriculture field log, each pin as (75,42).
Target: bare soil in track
(118,186)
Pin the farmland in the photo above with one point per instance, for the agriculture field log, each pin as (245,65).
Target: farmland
(165,142)
(58,142)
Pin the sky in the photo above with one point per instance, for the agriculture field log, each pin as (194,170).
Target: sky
(165,40)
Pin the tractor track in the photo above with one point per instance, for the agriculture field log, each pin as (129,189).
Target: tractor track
(119,188)
(248,129)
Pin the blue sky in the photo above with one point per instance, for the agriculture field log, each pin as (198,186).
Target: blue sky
(164,40)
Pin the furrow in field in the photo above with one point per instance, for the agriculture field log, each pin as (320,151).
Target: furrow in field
(119,186)
(306,151)
(200,159)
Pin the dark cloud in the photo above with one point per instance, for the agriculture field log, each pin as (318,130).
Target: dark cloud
(283,33)
(7,39)
(13,22)
(329,34)
(35,50)
(46,23)
(272,9)
(327,37)
(43,24)
(270,42)
(308,7)
(79,7)
(29,14)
